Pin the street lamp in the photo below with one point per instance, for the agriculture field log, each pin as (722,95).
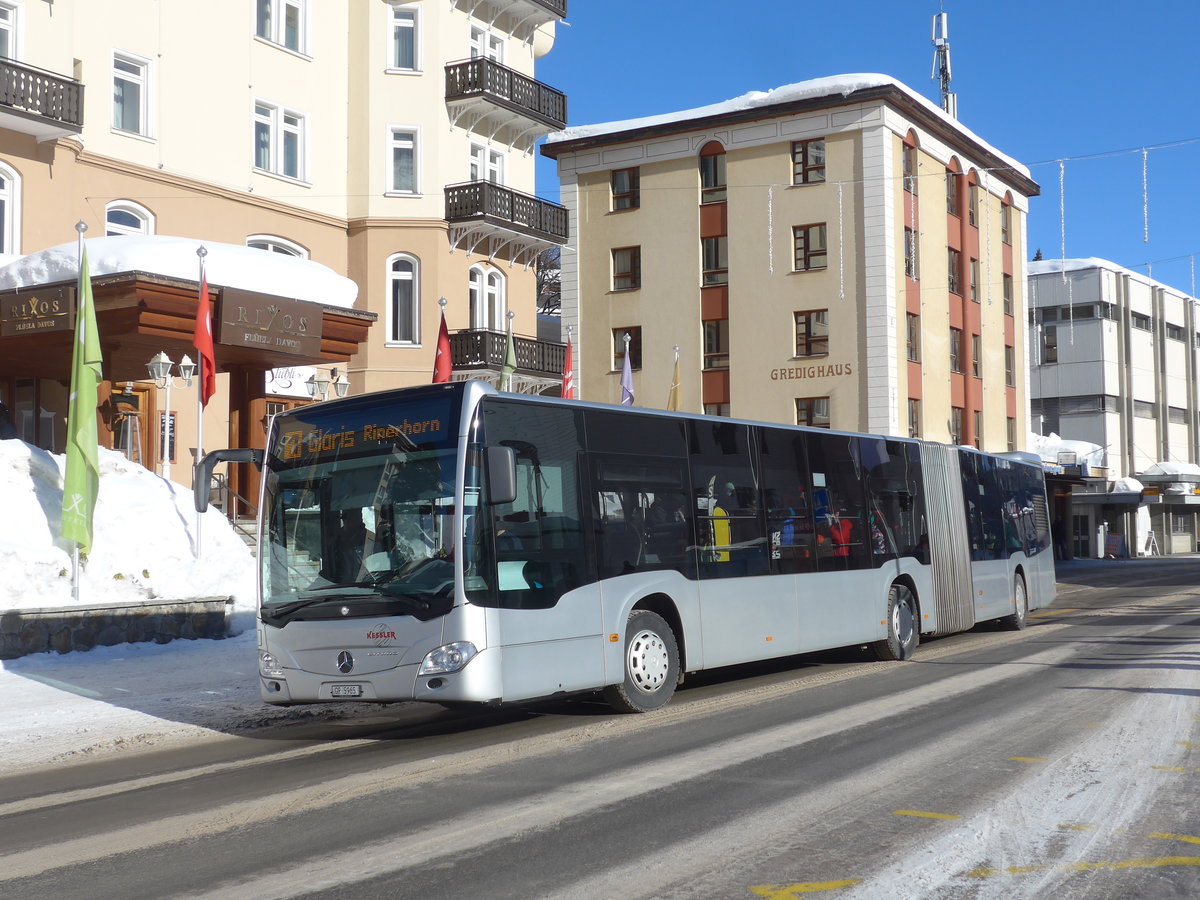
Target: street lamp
(160,370)
(318,384)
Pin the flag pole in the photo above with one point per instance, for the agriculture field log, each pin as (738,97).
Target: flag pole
(201,252)
(80,228)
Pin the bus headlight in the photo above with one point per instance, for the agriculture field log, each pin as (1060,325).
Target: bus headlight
(448,658)
(269,666)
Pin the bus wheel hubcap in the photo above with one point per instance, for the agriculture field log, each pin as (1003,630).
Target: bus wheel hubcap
(648,661)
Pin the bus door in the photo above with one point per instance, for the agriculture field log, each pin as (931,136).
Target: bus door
(991,574)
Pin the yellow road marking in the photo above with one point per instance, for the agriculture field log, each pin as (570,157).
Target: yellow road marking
(1169,768)
(1077,827)
(1186,838)
(1143,863)
(1028,758)
(789,891)
(920,814)
(1187,744)
(1047,613)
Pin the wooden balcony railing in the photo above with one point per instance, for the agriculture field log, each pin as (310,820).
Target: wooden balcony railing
(506,87)
(34,90)
(478,349)
(504,206)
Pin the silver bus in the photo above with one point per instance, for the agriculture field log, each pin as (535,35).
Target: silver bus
(454,544)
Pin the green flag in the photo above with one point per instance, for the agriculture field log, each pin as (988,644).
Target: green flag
(510,363)
(81,480)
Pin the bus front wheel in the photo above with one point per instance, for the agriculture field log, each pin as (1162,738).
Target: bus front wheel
(651,665)
(902,632)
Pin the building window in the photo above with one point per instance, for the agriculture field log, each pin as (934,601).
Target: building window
(402,148)
(403,50)
(1006,223)
(278,140)
(404,293)
(1174,332)
(1010,427)
(913,336)
(635,347)
(9,30)
(626,188)
(956,424)
(10,210)
(973,205)
(974,270)
(712,173)
(627,268)
(487,164)
(486,297)
(976,356)
(910,254)
(952,193)
(1049,344)
(812,333)
(1141,322)
(914,417)
(716,344)
(909,163)
(1143,409)
(1176,415)
(487,44)
(956,348)
(810,250)
(127,217)
(953,276)
(282,22)
(715,256)
(808,161)
(716,409)
(274,244)
(977,428)
(1010,366)
(131,90)
(1008,294)
(812,411)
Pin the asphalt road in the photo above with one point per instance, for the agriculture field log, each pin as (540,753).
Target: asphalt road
(1060,761)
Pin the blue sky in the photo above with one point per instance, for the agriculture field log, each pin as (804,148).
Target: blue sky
(1040,81)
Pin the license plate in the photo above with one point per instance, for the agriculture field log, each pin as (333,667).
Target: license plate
(345,690)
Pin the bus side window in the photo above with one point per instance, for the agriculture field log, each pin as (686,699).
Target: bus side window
(730,530)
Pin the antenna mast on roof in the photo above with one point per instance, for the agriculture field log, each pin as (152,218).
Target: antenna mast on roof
(941,62)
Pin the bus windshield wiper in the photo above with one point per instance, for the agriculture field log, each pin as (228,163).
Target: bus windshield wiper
(321,595)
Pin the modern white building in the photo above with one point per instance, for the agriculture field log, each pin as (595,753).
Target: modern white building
(1114,361)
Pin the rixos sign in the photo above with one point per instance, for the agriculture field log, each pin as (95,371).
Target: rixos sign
(37,311)
(249,319)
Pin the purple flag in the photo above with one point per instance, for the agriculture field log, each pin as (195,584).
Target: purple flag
(626,381)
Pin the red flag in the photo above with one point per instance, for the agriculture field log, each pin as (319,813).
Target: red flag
(568,385)
(202,340)
(441,362)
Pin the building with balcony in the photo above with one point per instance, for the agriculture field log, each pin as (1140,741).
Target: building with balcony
(1114,362)
(389,141)
(838,253)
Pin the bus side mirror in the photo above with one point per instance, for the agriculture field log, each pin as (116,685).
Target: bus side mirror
(501,475)
(202,476)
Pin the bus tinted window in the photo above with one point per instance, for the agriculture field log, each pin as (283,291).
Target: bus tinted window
(896,500)
(787,500)
(642,514)
(984,507)
(729,524)
(624,432)
(838,503)
(537,540)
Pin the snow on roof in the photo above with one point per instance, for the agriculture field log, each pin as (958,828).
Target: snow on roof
(1055,266)
(228,265)
(1172,468)
(802,90)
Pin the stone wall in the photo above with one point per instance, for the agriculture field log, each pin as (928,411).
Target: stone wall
(66,628)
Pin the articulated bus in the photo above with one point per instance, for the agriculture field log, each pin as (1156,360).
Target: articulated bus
(454,544)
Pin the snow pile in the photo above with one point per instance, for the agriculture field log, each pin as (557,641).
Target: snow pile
(1050,445)
(1127,485)
(802,90)
(228,265)
(143,536)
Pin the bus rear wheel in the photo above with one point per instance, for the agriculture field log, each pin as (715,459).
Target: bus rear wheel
(1020,616)
(651,665)
(902,632)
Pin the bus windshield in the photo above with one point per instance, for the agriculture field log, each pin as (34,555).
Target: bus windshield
(360,514)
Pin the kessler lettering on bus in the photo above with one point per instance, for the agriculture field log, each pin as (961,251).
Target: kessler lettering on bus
(826,370)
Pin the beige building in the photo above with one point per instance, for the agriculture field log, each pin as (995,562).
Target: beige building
(389,141)
(838,253)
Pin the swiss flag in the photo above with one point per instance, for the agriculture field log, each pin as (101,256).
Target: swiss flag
(441,362)
(203,342)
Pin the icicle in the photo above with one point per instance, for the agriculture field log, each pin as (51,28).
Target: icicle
(1145,202)
(1062,217)
(841,255)
(770,229)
